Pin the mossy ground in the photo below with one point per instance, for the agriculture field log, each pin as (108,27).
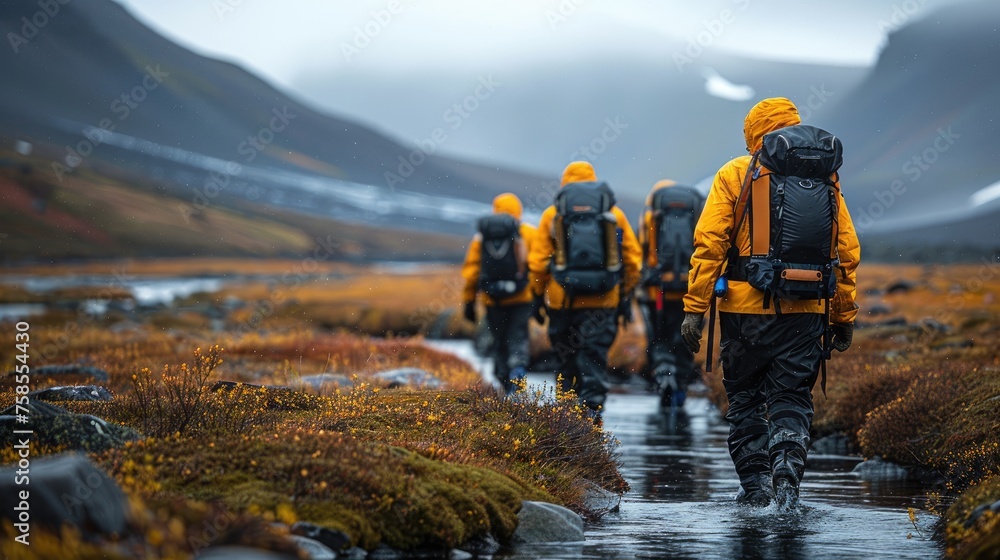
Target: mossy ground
(915,393)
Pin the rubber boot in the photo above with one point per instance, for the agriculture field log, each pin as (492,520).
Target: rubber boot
(787,468)
(755,490)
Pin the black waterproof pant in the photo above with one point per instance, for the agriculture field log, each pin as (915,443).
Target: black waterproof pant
(770,364)
(581,339)
(665,349)
(508,326)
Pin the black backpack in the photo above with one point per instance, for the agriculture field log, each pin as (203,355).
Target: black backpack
(503,270)
(587,257)
(793,206)
(675,211)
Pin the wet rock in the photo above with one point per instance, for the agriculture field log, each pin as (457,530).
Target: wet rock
(599,500)
(72,393)
(408,377)
(71,369)
(484,545)
(540,522)
(57,427)
(325,382)
(457,554)
(900,287)
(879,309)
(69,490)
(312,549)
(335,540)
(241,553)
(834,444)
(876,469)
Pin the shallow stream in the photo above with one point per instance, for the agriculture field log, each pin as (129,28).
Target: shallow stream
(683,483)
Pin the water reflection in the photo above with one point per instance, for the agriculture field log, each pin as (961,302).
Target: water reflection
(681,503)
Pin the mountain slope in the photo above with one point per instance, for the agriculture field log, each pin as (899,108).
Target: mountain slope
(920,137)
(95,90)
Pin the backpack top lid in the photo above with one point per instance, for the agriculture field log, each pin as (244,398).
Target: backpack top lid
(677,196)
(802,151)
(498,226)
(594,191)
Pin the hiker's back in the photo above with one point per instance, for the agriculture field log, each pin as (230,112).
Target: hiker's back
(587,257)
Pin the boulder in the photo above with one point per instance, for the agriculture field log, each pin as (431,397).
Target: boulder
(834,444)
(541,523)
(876,469)
(313,549)
(321,382)
(335,540)
(57,427)
(408,377)
(67,489)
(72,393)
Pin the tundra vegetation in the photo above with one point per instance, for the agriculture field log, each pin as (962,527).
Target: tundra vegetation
(422,468)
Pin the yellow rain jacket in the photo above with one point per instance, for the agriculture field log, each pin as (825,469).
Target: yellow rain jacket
(540,277)
(647,232)
(506,203)
(711,236)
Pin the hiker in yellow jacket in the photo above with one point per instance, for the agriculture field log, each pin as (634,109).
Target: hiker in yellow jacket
(584,259)
(770,360)
(667,226)
(496,266)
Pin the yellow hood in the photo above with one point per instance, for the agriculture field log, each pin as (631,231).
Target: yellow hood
(508,203)
(767,116)
(578,172)
(661,184)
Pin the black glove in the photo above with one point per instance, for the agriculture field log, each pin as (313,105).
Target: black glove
(470,311)
(538,309)
(624,312)
(691,331)
(843,335)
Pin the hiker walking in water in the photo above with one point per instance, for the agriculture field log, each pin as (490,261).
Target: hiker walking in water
(584,260)
(666,235)
(496,265)
(777,246)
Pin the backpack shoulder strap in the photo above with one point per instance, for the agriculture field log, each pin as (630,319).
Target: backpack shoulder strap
(743,200)
(760,215)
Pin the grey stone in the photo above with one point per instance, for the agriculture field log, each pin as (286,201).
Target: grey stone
(834,444)
(876,469)
(73,393)
(240,553)
(325,381)
(67,489)
(408,377)
(57,427)
(540,523)
(313,549)
(385,552)
(600,501)
(456,554)
(336,540)
(484,545)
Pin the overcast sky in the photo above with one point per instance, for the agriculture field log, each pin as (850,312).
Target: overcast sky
(282,41)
